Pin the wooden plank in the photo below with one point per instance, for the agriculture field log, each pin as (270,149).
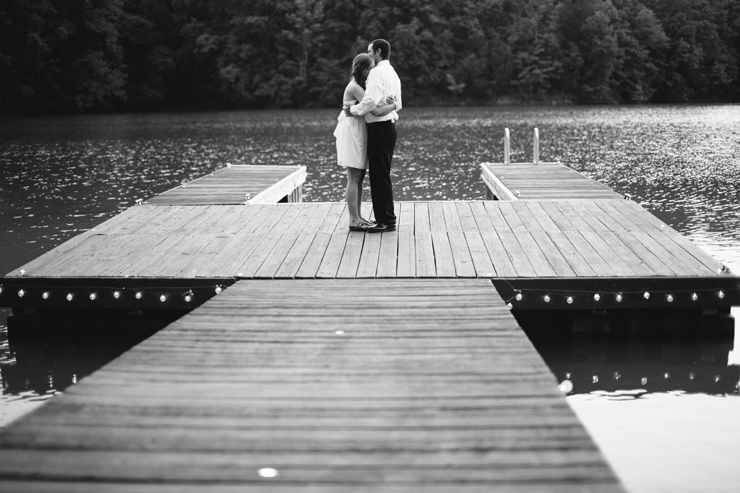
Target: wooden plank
(421,217)
(295,256)
(571,254)
(554,257)
(496,216)
(304,219)
(444,259)
(369,257)
(388,256)
(516,254)
(241,236)
(546,223)
(460,252)
(536,258)
(691,250)
(406,263)
(590,255)
(406,217)
(476,245)
(317,250)
(350,260)
(425,262)
(512,218)
(445,262)
(333,255)
(609,254)
(275,232)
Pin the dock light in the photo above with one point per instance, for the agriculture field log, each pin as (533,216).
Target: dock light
(721,294)
(138,295)
(569,300)
(23,272)
(597,297)
(509,306)
(268,472)
(188,297)
(692,375)
(547,298)
(717,378)
(595,379)
(163,298)
(93,296)
(218,289)
(566,387)
(667,375)
(518,296)
(21,293)
(619,297)
(69,296)
(643,381)
(617,375)
(646,295)
(694,296)
(669,298)
(1,289)
(116,294)
(45,295)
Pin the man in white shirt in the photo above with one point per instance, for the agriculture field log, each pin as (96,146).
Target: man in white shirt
(382,83)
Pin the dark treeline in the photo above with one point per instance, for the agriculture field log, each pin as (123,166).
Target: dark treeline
(126,55)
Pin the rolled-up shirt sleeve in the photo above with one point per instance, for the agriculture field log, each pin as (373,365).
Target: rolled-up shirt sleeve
(373,95)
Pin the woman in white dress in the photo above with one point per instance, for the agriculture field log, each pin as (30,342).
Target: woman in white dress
(351,135)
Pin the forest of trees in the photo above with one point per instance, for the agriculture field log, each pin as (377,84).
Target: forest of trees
(69,56)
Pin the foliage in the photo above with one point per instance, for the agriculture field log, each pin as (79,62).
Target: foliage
(103,55)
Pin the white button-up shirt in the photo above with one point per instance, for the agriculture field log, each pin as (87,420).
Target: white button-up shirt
(381,83)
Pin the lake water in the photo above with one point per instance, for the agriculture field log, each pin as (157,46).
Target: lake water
(62,175)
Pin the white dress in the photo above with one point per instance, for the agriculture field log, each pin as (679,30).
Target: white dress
(351,134)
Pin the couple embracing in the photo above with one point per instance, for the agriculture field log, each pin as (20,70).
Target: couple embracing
(366,135)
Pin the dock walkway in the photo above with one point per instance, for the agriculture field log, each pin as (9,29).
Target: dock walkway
(577,248)
(238,184)
(390,385)
(542,181)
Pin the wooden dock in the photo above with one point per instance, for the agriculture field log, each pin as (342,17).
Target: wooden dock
(543,181)
(318,359)
(239,184)
(362,385)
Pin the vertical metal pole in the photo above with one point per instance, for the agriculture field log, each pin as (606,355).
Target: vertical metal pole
(507,149)
(536,154)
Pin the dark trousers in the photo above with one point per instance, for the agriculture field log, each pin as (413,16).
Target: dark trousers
(381,141)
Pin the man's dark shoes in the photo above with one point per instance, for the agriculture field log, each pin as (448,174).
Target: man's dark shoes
(381,228)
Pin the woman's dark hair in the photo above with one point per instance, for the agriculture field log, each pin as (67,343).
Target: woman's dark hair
(359,64)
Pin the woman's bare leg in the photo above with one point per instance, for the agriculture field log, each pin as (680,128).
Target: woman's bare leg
(359,192)
(353,195)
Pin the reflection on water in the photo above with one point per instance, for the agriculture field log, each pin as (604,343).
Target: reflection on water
(637,365)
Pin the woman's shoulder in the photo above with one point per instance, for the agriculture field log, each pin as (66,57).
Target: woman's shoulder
(353,90)
(354,85)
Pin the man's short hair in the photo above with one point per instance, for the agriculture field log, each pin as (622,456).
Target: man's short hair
(384,47)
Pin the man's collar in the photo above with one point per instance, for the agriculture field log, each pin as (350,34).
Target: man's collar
(382,62)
